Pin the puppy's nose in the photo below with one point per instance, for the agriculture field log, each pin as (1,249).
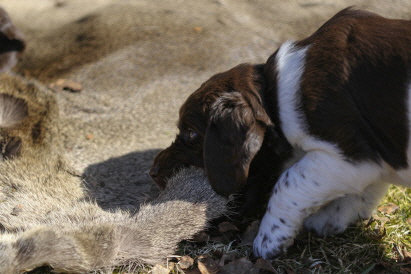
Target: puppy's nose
(154,171)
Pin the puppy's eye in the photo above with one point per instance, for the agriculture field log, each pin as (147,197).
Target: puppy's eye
(188,135)
(192,135)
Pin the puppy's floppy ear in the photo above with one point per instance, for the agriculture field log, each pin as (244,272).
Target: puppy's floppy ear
(233,137)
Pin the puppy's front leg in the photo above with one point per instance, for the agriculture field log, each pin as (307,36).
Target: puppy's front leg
(315,180)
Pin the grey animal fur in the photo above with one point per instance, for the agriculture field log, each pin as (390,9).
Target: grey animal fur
(46,218)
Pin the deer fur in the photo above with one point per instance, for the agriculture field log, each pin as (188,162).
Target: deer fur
(46,217)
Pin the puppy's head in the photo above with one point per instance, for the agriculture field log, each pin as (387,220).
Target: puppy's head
(222,127)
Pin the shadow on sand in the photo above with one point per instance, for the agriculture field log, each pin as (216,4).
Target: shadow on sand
(121,182)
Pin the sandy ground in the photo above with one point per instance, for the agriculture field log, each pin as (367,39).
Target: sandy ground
(139,59)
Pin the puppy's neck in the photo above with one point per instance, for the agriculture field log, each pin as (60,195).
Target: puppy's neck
(267,82)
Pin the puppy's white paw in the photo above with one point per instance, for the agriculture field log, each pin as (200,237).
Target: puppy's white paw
(334,217)
(273,238)
(327,221)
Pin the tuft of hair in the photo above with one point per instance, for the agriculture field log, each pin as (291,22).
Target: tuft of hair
(12,111)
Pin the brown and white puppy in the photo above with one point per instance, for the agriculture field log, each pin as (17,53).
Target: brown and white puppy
(341,96)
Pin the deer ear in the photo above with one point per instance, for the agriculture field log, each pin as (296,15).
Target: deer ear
(233,138)
(11,148)
(12,111)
